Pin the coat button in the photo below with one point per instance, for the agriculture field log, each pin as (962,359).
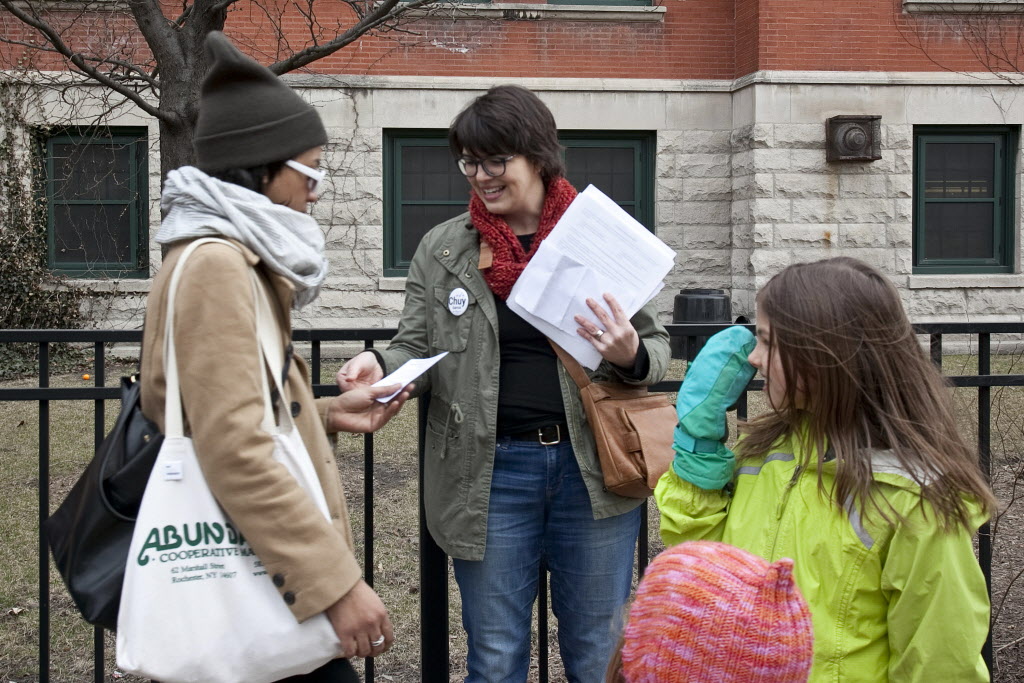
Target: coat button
(296,409)
(278,580)
(289,598)
(445,252)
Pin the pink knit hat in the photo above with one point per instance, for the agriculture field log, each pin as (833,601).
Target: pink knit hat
(713,613)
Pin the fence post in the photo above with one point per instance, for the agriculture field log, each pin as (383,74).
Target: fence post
(434,649)
(99,429)
(44,512)
(984,460)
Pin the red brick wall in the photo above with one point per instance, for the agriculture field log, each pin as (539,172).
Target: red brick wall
(113,34)
(694,41)
(872,35)
(698,39)
(747,36)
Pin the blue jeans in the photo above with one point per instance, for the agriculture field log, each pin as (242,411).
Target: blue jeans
(540,510)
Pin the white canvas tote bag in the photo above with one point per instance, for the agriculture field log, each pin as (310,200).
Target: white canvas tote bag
(197,604)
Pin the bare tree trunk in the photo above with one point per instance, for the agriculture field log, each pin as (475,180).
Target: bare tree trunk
(175,148)
(179,100)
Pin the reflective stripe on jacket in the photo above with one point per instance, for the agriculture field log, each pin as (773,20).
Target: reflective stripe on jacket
(902,602)
(463,415)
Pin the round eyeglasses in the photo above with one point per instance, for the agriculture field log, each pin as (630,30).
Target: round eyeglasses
(494,166)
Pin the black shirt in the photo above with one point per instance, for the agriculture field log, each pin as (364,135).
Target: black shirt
(529,394)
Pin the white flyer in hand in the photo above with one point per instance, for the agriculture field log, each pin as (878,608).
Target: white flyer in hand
(596,247)
(407,373)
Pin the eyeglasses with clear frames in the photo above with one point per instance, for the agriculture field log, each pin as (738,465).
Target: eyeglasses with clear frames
(494,166)
(314,176)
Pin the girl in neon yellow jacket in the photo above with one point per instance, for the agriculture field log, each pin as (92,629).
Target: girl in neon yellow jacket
(857,473)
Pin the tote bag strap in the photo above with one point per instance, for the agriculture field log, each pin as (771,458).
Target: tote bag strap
(576,371)
(296,457)
(173,421)
(273,356)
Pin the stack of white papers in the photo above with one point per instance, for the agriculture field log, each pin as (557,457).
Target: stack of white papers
(595,248)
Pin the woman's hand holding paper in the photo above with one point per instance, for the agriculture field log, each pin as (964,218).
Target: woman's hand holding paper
(615,338)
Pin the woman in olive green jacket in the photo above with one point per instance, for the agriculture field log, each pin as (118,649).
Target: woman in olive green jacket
(511,475)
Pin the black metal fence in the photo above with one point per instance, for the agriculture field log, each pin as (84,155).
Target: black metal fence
(433,563)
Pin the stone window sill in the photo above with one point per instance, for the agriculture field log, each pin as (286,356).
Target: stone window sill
(963,6)
(1009,280)
(513,11)
(391,284)
(106,285)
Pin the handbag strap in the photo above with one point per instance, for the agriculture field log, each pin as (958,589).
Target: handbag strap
(576,371)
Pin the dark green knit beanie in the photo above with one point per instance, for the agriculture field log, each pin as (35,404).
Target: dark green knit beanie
(247,116)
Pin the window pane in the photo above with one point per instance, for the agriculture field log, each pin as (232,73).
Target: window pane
(92,234)
(610,169)
(959,231)
(91,171)
(417,220)
(960,170)
(430,173)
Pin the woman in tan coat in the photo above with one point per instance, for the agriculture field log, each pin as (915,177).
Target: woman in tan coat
(258,147)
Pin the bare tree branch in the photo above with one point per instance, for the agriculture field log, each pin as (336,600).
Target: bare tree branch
(222,6)
(79,61)
(386,11)
(139,72)
(163,78)
(993,40)
(158,32)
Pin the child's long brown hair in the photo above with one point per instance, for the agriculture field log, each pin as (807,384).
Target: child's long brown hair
(845,342)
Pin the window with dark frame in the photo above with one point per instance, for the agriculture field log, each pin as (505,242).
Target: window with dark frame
(97,205)
(423,186)
(963,199)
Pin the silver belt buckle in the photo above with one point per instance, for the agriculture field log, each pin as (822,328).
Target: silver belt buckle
(558,436)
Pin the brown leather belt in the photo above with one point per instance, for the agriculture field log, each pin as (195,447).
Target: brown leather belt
(546,436)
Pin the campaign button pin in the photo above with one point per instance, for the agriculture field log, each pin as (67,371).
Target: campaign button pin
(458,301)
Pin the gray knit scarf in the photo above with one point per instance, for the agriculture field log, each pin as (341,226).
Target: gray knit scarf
(289,242)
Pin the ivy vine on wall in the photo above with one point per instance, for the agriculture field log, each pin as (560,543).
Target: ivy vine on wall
(31,296)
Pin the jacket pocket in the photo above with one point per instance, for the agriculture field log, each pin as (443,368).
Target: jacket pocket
(444,424)
(450,332)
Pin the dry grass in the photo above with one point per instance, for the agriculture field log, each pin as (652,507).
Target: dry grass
(396,542)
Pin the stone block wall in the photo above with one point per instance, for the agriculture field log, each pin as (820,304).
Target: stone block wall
(351,213)
(742,187)
(790,205)
(694,215)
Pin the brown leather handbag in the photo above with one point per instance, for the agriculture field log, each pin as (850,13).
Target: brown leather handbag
(632,427)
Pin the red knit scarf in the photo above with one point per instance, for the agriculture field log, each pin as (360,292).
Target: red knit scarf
(509,257)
